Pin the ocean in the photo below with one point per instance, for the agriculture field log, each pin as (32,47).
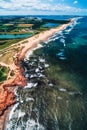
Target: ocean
(55,97)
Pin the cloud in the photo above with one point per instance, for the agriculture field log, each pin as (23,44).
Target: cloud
(75,2)
(31,5)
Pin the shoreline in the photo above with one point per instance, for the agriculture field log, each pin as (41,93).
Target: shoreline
(37,39)
(8,86)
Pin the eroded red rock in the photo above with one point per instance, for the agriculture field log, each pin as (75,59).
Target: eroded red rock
(7,97)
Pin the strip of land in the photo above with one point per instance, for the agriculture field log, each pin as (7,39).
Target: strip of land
(10,57)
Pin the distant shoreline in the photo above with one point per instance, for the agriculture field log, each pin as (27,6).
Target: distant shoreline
(18,79)
(43,36)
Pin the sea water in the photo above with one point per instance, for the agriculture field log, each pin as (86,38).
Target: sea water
(55,97)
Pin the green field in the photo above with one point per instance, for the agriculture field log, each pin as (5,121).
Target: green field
(14,26)
(3,73)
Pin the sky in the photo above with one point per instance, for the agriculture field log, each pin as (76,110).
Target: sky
(43,7)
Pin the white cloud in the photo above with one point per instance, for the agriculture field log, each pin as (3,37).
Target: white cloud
(75,2)
(32,5)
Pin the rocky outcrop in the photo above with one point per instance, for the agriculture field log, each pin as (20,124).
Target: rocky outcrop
(7,97)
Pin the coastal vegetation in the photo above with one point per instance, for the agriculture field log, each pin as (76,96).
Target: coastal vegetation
(24,27)
(11,27)
(4,43)
(3,73)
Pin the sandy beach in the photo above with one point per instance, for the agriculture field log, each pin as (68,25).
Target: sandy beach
(7,97)
(33,41)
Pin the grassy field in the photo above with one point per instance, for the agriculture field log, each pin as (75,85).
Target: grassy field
(7,43)
(3,73)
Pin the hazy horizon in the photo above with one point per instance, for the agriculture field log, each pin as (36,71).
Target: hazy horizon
(46,7)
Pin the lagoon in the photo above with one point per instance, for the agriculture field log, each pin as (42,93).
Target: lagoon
(14,36)
(50,25)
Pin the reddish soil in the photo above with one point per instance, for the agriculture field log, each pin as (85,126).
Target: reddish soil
(7,97)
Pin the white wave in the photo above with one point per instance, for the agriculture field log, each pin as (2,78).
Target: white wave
(62,58)
(37,70)
(19,128)
(70,124)
(41,60)
(41,75)
(29,99)
(30,52)
(27,75)
(67,31)
(29,85)
(50,84)
(78,18)
(12,111)
(51,39)
(64,44)
(62,40)
(75,93)
(15,92)
(59,34)
(35,84)
(72,25)
(60,54)
(33,125)
(46,65)
(8,126)
(62,89)
(55,37)
(33,76)
(21,101)
(60,98)
(20,114)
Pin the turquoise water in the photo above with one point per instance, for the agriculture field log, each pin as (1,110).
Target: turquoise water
(55,97)
(50,25)
(14,36)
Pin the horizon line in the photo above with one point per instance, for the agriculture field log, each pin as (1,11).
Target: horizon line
(40,15)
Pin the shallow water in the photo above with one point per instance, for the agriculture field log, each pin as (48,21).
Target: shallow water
(50,25)
(55,97)
(14,36)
